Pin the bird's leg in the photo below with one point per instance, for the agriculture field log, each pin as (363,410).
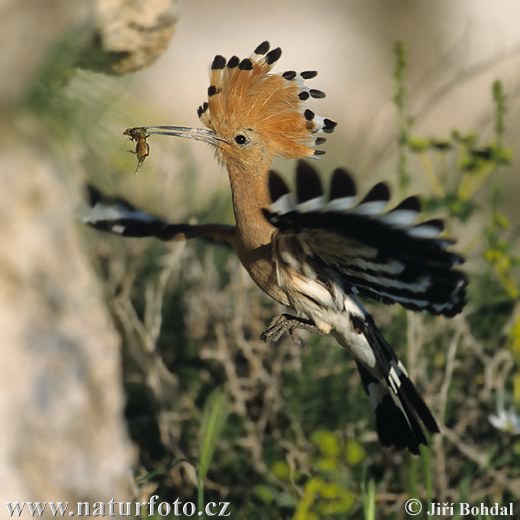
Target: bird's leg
(286,323)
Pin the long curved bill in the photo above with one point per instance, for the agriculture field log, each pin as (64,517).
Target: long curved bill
(199,134)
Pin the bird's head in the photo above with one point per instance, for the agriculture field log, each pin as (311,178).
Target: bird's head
(252,115)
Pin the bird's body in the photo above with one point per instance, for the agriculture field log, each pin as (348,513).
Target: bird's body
(315,254)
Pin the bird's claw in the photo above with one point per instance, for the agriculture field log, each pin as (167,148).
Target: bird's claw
(285,323)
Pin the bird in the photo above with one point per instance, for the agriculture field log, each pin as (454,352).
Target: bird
(318,252)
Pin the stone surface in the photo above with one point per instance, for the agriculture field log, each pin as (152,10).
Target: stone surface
(133,32)
(63,436)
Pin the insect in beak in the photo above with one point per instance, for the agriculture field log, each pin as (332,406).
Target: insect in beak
(142,148)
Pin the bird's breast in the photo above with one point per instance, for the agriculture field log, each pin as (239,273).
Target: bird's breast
(259,264)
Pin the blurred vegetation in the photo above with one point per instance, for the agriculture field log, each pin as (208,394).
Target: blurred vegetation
(289,435)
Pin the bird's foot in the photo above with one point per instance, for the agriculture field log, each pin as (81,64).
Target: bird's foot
(286,323)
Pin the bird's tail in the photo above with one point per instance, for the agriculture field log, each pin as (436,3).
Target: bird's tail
(399,409)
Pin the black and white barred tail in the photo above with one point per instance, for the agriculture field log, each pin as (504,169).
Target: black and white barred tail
(382,254)
(400,412)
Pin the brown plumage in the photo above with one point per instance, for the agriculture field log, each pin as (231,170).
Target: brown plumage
(313,253)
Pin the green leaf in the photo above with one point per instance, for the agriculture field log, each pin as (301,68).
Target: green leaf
(502,155)
(281,470)
(441,145)
(369,500)
(427,471)
(354,452)
(470,165)
(416,144)
(213,420)
(326,441)
(484,153)
(467,139)
(264,493)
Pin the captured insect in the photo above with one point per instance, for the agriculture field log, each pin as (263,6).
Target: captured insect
(142,148)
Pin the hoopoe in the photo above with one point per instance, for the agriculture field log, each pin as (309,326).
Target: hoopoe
(316,254)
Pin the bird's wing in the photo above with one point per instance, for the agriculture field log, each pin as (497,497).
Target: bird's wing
(117,216)
(382,255)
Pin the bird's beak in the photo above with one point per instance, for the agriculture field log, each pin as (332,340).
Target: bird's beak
(199,134)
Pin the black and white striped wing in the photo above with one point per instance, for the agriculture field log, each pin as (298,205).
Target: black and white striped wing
(384,255)
(117,216)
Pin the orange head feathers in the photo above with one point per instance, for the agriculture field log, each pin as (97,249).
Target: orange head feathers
(244,98)
(252,115)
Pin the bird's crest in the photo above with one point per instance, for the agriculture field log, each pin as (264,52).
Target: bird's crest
(244,95)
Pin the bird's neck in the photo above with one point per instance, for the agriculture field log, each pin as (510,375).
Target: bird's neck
(250,195)
(254,235)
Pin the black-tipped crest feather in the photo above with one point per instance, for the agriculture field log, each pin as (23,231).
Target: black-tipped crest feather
(262,48)
(233,62)
(245,64)
(273,56)
(219,62)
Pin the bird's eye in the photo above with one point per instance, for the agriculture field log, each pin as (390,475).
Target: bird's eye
(241,139)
